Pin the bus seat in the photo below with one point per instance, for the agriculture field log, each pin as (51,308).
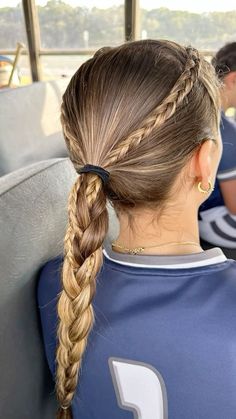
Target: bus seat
(32,225)
(33,217)
(30,128)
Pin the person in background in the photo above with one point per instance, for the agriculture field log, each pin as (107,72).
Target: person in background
(145,323)
(217,222)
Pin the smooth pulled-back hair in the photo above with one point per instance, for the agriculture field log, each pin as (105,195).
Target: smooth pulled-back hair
(140,111)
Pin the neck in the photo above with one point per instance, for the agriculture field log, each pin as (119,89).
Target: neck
(225,103)
(172,229)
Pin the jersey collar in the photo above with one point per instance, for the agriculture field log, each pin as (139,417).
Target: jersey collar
(195,260)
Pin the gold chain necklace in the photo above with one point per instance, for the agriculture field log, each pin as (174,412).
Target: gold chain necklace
(137,250)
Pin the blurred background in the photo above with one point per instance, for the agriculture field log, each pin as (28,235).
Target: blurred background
(60,35)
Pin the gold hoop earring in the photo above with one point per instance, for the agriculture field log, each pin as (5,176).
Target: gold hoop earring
(209,189)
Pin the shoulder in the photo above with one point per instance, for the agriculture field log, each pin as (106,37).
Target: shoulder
(228,127)
(49,288)
(228,274)
(228,133)
(230,270)
(227,166)
(49,283)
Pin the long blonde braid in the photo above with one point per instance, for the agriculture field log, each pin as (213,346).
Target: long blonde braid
(82,261)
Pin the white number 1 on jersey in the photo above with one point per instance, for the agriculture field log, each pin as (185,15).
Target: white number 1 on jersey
(140,388)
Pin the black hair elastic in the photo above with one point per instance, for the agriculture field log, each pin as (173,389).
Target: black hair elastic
(102,173)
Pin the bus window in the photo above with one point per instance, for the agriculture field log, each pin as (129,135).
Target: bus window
(207,25)
(79,26)
(13,32)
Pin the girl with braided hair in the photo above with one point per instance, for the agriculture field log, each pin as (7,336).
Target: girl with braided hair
(144,322)
(217,215)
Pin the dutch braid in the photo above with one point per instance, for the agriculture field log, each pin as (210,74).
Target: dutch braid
(165,110)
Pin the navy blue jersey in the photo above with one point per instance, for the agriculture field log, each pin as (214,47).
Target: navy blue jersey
(164,340)
(227,166)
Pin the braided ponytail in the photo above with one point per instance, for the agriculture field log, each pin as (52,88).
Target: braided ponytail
(88,224)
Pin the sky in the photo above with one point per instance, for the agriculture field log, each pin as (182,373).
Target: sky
(198,6)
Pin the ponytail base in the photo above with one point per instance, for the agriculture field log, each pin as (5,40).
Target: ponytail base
(64,413)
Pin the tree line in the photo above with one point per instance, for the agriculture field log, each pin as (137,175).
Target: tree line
(64,26)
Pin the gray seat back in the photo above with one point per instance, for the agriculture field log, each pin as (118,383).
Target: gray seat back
(30,128)
(32,224)
(33,217)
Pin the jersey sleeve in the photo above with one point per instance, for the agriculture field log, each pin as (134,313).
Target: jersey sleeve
(227,166)
(48,291)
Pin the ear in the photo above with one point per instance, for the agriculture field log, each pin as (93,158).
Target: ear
(230,79)
(202,162)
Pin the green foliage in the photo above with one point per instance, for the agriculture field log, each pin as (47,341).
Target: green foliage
(205,31)
(64,26)
(11,27)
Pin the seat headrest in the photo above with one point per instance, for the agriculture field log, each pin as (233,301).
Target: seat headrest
(33,216)
(30,124)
